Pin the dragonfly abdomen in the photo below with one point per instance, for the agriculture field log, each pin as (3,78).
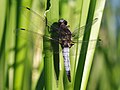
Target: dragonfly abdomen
(65,52)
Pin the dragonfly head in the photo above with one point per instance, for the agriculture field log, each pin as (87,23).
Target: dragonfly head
(62,21)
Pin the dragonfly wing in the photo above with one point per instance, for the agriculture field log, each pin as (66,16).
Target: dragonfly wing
(36,21)
(91,44)
(78,32)
(33,37)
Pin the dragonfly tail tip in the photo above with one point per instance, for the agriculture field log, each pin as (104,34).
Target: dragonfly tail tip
(69,76)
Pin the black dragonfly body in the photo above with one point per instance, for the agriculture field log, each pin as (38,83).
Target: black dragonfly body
(66,43)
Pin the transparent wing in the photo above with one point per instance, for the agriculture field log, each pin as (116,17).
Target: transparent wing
(78,32)
(91,45)
(33,19)
(36,21)
(33,37)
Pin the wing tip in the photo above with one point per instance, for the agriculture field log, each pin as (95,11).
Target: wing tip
(22,28)
(24,7)
(18,29)
(28,8)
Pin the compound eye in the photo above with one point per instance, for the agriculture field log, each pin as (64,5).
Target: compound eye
(65,22)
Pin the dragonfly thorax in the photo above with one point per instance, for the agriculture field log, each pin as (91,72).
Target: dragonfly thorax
(64,34)
(62,21)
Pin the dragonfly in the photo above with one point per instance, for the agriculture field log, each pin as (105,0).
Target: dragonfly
(65,37)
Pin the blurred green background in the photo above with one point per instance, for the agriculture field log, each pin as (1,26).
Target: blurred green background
(105,72)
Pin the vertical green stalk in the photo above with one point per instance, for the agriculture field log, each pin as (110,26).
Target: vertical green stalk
(10,42)
(3,62)
(83,68)
(52,15)
(94,35)
(22,66)
(82,57)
